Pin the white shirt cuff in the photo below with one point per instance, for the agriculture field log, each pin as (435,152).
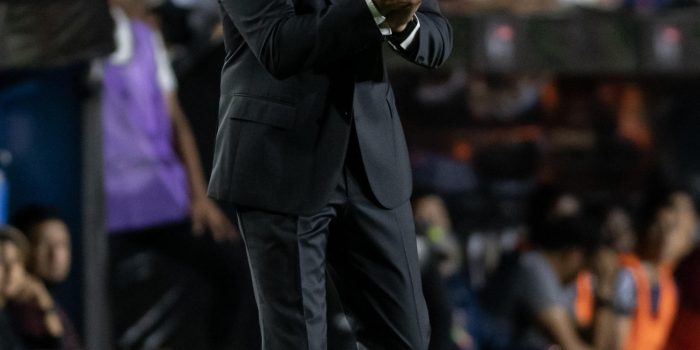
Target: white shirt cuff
(379,19)
(407,42)
(409,39)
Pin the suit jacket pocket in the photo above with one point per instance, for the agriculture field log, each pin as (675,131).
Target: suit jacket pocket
(272,112)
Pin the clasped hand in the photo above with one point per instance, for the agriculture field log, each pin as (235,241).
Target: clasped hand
(397,12)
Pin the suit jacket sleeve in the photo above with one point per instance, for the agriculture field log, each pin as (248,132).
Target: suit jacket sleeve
(433,43)
(287,43)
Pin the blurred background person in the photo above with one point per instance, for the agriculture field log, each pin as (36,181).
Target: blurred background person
(444,285)
(595,287)
(140,103)
(49,237)
(526,299)
(50,254)
(158,214)
(590,296)
(432,216)
(31,308)
(646,297)
(8,338)
(682,243)
(573,310)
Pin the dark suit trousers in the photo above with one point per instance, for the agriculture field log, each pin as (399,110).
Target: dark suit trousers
(371,252)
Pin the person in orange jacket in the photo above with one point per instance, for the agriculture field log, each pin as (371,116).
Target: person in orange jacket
(646,298)
(591,294)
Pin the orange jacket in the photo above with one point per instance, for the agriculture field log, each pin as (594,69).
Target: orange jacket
(584,304)
(647,330)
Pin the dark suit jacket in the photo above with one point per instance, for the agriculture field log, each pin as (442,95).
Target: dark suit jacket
(293,72)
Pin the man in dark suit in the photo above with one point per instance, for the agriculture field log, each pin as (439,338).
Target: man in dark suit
(311,154)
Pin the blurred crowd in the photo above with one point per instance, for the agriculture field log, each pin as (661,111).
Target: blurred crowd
(543,6)
(583,274)
(585,265)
